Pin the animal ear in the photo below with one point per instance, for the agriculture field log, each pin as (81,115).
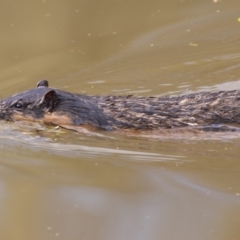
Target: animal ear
(42,83)
(49,100)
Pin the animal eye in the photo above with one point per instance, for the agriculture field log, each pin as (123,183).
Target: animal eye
(18,105)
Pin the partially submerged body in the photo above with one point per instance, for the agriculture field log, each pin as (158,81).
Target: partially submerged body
(53,106)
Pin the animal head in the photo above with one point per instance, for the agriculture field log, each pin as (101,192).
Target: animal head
(32,104)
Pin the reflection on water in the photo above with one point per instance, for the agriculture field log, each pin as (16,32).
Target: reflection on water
(52,143)
(59,184)
(105,199)
(124,187)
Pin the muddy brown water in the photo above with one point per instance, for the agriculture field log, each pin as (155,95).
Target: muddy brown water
(59,184)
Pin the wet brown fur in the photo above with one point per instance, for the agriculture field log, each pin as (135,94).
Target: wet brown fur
(197,109)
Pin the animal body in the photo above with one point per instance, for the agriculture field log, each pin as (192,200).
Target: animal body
(54,106)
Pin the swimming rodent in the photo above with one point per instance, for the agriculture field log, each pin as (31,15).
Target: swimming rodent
(54,106)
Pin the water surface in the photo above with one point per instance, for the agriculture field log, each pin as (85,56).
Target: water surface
(60,184)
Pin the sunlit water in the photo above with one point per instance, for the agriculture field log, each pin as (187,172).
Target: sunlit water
(60,184)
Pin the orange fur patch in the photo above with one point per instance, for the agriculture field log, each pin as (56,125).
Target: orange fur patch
(57,119)
(48,119)
(21,117)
